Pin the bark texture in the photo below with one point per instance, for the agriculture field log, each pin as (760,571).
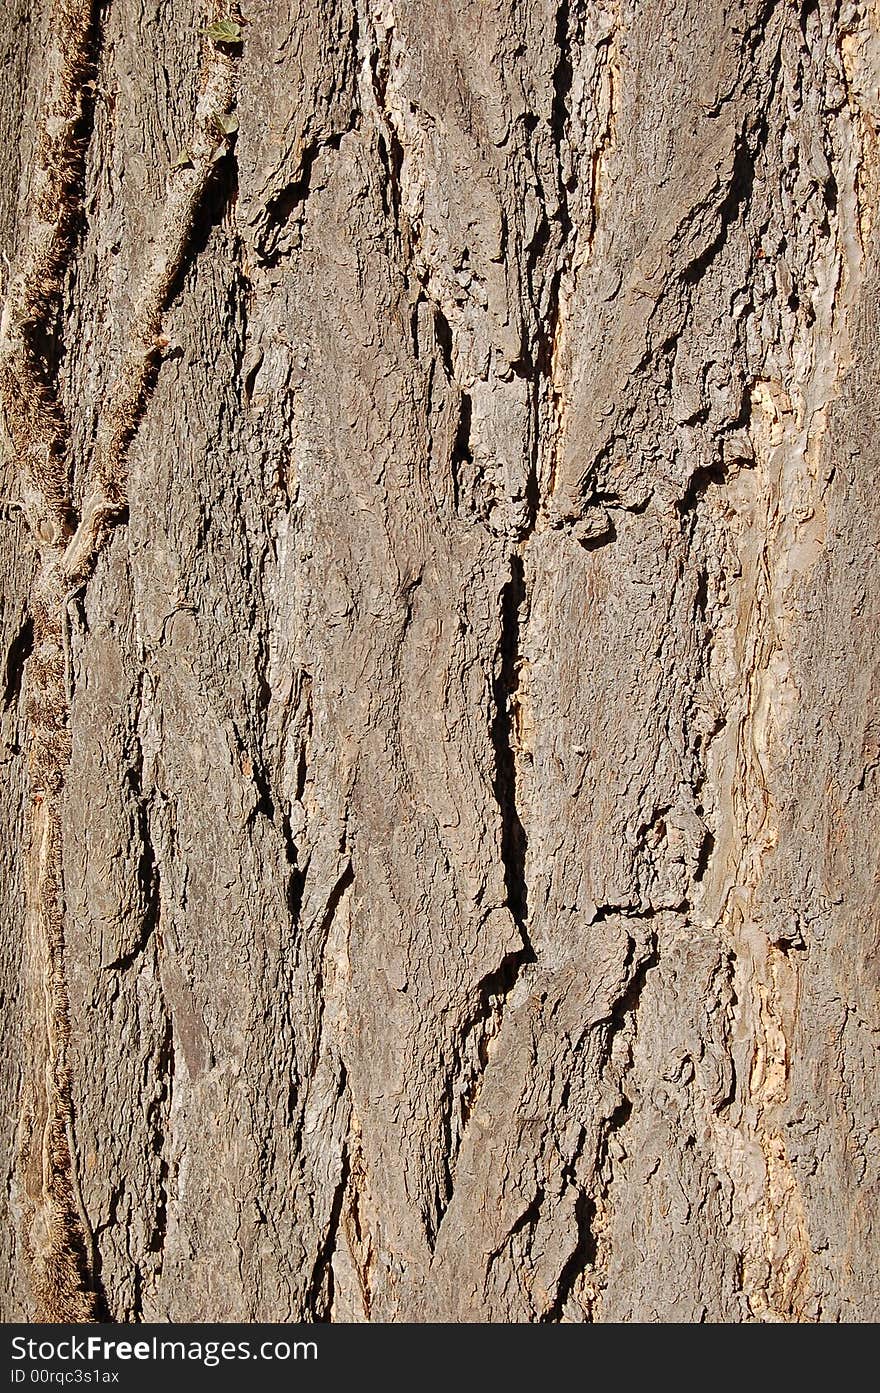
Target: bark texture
(461,852)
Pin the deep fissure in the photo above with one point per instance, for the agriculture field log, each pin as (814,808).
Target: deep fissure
(514,841)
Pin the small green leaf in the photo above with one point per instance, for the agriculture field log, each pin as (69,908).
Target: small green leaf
(224,31)
(183,158)
(226,123)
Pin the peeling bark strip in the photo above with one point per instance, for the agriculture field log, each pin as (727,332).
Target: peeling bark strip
(68,540)
(441,716)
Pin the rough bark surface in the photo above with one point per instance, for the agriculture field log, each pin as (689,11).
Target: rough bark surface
(464,839)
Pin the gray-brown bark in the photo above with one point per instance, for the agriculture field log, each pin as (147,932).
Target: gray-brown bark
(466,848)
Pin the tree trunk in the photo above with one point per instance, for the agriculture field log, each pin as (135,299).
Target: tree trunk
(439,591)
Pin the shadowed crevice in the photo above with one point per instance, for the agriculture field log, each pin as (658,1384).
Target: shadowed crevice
(581,1258)
(319,1297)
(149,885)
(19,651)
(514,842)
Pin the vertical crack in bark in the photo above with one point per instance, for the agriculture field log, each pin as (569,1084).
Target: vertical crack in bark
(323,1098)
(587,1268)
(149,884)
(547,389)
(526,1222)
(320,1294)
(577,234)
(276,240)
(547,394)
(583,1272)
(483,1023)
(605,101)
(20,649)
(337,894)
(508,729)
(159,1117)
(357,1234)
(514,842)
(388,139)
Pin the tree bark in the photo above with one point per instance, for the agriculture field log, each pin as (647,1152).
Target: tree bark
(454,600)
